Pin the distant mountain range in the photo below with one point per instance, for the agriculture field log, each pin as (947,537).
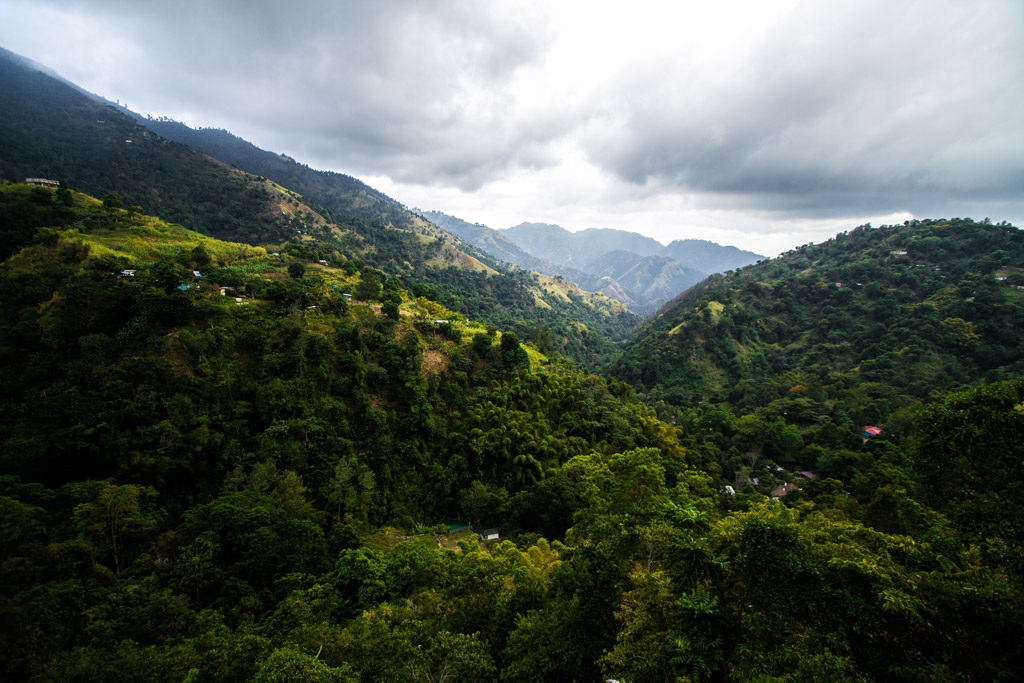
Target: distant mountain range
(223,186)
(637,270)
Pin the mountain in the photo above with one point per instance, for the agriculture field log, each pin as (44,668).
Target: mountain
(652,272)
(497,245)
(227,188)
(337,192)
(709,256)
(577,249)
(652,280)
(224,461)
(851,332)
(242,475)
(491,241)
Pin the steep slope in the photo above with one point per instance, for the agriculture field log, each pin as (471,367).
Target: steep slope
(577,249)
(242,475)
(617,254)
(341,194)
(499,246)
(50,129)
(915,308)
(652,280)
(709,256)
(107,296)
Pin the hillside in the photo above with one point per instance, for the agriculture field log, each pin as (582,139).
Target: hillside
(500,247)
(585,246)
(931,305)
(50,129)
(217,466)
(344,445)
(792,357)
(341,194)
(645,273)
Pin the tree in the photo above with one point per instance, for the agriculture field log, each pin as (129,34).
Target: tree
(482,504)
(369,288)
(200,256)
(967,451)
(166,275)
(116,514)
(112,201)
(64,197)
(196,562)
(512,353)
(296,270)
(288,665)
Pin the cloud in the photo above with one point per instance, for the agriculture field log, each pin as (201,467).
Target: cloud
(842,107)
(767,116)
(421,91)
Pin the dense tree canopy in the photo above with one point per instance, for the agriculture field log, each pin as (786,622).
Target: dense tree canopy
(213,471)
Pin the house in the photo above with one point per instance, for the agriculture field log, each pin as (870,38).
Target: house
(730,491)
(322,262)
(126,273)
(808,475)
(197,273)
(782,490)
(870,431)
(42,182)
(489,535)
(346,297)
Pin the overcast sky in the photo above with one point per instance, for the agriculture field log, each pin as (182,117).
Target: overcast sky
(764,124)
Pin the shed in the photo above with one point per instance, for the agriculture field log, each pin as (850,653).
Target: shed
(489,535)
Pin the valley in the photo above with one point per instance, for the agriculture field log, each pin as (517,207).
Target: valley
(262,422)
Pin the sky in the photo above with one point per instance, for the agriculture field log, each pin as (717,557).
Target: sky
(762,124)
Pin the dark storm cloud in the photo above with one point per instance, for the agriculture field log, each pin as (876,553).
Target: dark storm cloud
(876,108)
(779,110)
(414,90)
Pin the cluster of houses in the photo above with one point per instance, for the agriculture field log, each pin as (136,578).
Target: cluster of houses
(867,431)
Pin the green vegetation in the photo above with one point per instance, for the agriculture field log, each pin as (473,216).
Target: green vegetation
(246,475)
(785,362)
(248,195)
(273,458)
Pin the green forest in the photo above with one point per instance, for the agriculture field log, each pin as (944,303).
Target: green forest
(230,462)
(247,195)
(260,422)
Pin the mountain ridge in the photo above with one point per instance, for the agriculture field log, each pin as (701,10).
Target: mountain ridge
(51,129)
